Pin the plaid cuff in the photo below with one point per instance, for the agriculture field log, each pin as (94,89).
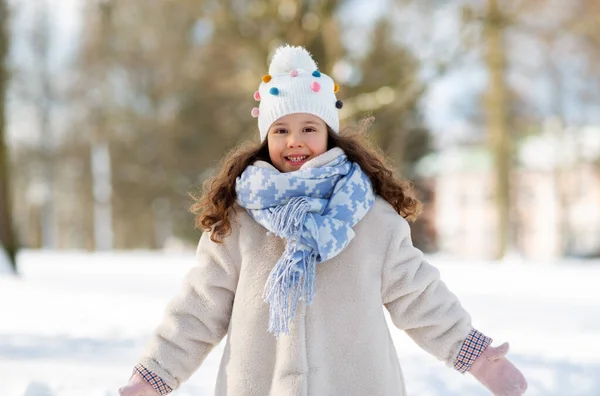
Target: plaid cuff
(157,383)
(475,343)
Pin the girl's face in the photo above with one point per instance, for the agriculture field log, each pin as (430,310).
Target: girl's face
(295,139)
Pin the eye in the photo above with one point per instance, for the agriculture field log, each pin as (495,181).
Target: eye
(278,131)
(309,129)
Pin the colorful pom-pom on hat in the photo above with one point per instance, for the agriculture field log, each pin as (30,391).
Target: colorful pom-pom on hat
(290,88)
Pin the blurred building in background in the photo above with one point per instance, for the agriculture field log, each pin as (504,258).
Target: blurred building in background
(555,199)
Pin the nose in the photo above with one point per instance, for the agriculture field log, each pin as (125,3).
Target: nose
(295,140)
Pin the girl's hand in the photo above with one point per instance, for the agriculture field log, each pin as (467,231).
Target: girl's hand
(497,373)
(137,387)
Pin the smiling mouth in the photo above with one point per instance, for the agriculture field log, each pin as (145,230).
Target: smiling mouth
(296,159)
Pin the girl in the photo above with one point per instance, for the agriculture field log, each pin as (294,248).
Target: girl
(306,240)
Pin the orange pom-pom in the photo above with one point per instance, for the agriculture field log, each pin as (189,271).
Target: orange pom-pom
(266,78)
(336,88)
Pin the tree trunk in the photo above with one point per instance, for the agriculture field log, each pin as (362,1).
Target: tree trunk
(7,237)
(497,120)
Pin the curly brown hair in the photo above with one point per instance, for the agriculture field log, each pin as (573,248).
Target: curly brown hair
(218,192)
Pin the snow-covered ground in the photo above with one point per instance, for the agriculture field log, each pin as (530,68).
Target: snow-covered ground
(74,323)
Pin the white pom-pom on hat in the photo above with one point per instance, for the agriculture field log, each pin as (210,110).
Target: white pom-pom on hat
(288,58)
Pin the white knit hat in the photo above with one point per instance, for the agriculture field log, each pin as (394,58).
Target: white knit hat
(295,85)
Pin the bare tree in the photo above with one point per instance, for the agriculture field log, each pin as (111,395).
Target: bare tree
(40,92)
(496,107)
(7,235)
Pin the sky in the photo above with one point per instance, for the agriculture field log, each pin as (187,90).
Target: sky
(64,20)
(438,102)
(64,23)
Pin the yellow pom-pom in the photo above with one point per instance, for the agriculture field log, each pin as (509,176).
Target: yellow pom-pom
(336,88)
(266,78)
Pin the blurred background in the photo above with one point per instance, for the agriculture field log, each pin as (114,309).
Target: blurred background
(113,111)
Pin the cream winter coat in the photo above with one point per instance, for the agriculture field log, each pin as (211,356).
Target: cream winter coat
(340,345)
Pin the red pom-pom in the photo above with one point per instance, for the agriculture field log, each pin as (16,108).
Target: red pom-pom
(256,95)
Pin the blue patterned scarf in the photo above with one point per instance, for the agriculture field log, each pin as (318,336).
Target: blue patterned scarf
(314,208)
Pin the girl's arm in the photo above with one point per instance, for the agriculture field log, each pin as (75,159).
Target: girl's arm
(421,304)
(194,321)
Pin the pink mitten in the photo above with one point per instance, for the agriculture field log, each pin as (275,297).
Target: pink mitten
(137,387)
(497,373)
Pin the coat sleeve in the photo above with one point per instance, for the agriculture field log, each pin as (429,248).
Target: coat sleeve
(196,319)
(419,302)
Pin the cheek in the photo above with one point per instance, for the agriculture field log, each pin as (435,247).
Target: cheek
(319,144)
(274,150)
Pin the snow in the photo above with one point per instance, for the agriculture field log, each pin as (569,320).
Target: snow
(74,323)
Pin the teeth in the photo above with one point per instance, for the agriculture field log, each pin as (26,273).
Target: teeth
(296,159)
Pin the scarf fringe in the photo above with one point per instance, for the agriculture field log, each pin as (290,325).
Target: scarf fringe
(293,276)
(288,219)
(292,279)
